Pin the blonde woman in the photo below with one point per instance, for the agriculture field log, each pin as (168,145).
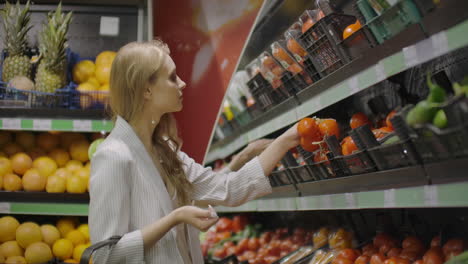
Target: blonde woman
(142,186)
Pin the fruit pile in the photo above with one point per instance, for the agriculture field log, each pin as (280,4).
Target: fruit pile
(33,244)
(50,161)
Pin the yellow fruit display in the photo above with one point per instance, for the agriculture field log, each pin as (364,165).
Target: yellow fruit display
(50,234)
(70,261)
(5,166)
(8,226)
(1,181)
(86,95)
(83,70)
(45,165)
(94,82)
(47,141)
(12,182)
(84,229)
(63,173)
(11,249)
(73,165)
(38,252)
(34,181)
(105,58)
(76,184)
(28,233)
(66,225)
(26,140)
(104,88)
(79,150)
(78,251)
(83,173)
(56,184)
(60,156)
(63,249)
(36,153)
(20,163)
(76,237)
(12,148)
(66,139)
(103,74)
(16,260)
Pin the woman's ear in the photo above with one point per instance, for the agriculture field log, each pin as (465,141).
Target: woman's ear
(148,93)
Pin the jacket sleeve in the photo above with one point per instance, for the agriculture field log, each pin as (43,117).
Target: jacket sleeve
(109,209)
(230,188)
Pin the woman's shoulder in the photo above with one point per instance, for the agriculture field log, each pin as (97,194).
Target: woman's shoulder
(115,148)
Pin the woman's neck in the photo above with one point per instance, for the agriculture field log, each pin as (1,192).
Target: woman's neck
(144,128)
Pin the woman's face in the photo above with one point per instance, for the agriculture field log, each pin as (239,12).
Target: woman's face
(166,88)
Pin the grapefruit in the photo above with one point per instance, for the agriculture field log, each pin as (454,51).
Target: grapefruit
(20,163)
(70,261)
(75,184)
(36,153)
(34,181)
(5,166)
(63,173)
(12,182)
(8,226)
(60,156)
(83,70)
(37,253)
(103,74)
(26,140)
(105,58)
(11,249)
(76,237)
(27,234)
(66,225)
(12,148)
(83,173)
(16,260)
(50,234)
(73,165)
(47,141)
(78,251)
(45,165)
(56,184)
(63,249)
(5,137)
(84,229)
(79,150)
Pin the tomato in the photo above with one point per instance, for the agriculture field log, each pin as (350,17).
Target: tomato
(348,146)
(248,255)
(254,244)
(387,120)
(452,254)
(244,244)
(394,252)
(274,248)
(435,242)
(362,260)
(205,247)
(270,259)
(231,251)
(224,224)
(434,256)
(414,244)
(418,262)
(396,260)
(295,48)
(377,259)
(339,260)
(285,245)
(223,235)
(239,222)
(385,248)
(220,253)
(284,253)
(386,130)
(410,255)
(265,238)
(308,127)
(282,232)
(348,254)
(329,127)
(378,133)
(359,119)
(455,244)
(306,25)
(298,239)
(383,238)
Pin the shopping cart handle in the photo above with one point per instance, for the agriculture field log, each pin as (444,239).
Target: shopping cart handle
(86,256)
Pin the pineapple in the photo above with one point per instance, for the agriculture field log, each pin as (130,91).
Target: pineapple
(16,27)
(51,73)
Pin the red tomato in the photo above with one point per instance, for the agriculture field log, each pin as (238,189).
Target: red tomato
(359,119)
(286,245)
(228,244)
(249,255)
(239,222)
(254,244)
(348,146)
(244,244)
(394,252)
(348,254)
(383,238)
(362,260)
(308,144)
(299,231)
(231,251)
(410,255)
(418,262)
(434,256)
(435,242)
(265,238)
(308,127)
(377,259)
(298,239)
(329,127)
(396,260)
(270,259)
(339,260)
(274,248)
(220,253)
(453,245)
(369,250)
(387,120)
(284,253)
(205,247)
(223,235)
(413,243)
(385,248)
(224,224)
(282,232)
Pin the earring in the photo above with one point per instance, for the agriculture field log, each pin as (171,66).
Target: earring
(153,122)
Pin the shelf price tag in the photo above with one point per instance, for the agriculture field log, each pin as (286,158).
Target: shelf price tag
(431,195)
(389,198)
(82,125)
(11,123)
(4,208)
(42,124)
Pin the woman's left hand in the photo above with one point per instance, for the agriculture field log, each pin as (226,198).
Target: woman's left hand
(290,139)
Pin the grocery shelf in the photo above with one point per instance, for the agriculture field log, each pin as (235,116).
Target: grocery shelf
(47,124)
(403,52)
(75,209)
(43,197)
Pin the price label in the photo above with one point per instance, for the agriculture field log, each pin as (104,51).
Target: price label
(12,123)
(389,198)
(42,124)
(82,125)
(4,208)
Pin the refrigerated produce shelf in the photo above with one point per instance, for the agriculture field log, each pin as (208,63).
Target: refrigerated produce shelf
(47,124)
(75,209)
(327,91)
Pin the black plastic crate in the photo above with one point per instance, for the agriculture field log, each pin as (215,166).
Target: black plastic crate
(310,69)
(357,163)
(393,156)
(322,170)
(358,43)
(425,6)
(260,89)
(321,43)
(281,178)
(293,83)
(301,174)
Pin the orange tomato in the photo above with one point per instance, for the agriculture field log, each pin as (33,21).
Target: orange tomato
(295,68)
(306,25)
(455,244)
(394,252)
(320,156)
(378,134)
(387,120)
(396,260)
(349,30)
(362,260)
(378,259)
(435,242)
(268,62)
(329,127)
(348,254)
(386,130)
(359,119)
(308,127)
(434,256)
(348,146)
(308,144)
(295,48)
(281,54)
(339,260)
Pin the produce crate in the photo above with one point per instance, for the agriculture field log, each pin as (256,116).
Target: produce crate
(358,43)
(281,178)
(260,89)
(302,174)
(425,6)
(321,43)
(357,163)
(391,21)
(322,170)
(392,156)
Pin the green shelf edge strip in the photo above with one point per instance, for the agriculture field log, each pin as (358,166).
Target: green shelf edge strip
(59,125)
(442,43)
(49,209)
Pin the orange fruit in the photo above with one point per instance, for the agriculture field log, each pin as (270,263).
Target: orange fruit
(12,182)
(12,148)
(103,74)
(76,184)
(105,58)
(73,165)
(5,137)
(20,163)
(63,249)
(8,226)
(38,252)
(308,24)
(308,144)
(66,225)
(295,48)
(76,237)
(86,90)
(268,62)
(359,119)
(351,29)
(47,141)
(79,150)
(308,127)
(92,80)
(329,127)
(83,173)
(83,70)
(63,173)
(5,166)
(34,181)
(66,139)
(36,152)
(84,229)
(28,233)
(387,120)
(16,260)
(78,251)
(56,184)
(26,140)
(45,165)
(60,156)
(348,146)
(281,54)
(11,249)
(50,234)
